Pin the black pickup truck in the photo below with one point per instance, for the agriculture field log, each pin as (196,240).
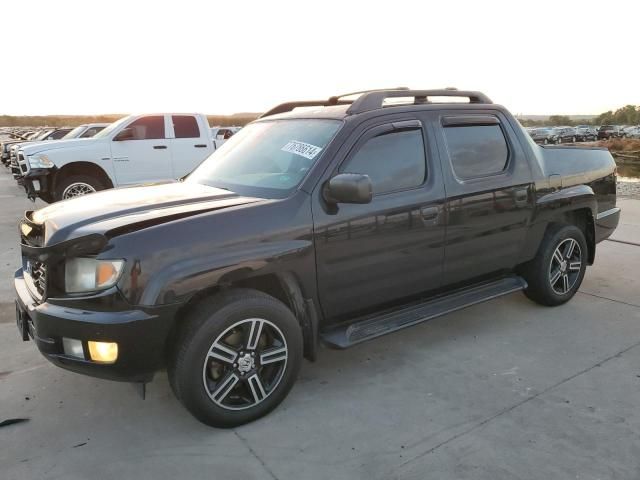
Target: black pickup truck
(337,223)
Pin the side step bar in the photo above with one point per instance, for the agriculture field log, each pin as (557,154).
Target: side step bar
(366,328)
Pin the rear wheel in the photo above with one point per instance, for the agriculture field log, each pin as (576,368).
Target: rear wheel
(236,358)
(76,186)
(556,273)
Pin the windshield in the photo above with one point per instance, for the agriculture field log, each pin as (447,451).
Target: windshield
(267,159)
(75,132)
(110,128)
(43,135)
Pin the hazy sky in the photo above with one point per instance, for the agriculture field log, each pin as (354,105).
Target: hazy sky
(535,57)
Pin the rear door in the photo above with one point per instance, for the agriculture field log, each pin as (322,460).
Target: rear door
(490,196)
(146,157)
(190,144)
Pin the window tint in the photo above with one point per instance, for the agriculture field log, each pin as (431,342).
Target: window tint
(58,134)
(90,132)
(476,151)
(394,161)
(185,126)
(147,128)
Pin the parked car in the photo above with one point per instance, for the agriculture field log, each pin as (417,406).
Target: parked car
(19,138)
(46,135)
(544,136)
(626,130)
(135,149)
(586,133)
(86,130)
(341,224)
(633,132)
(609,131)
(222,134)
(566,134)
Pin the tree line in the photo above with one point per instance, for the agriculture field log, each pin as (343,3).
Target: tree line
(627,115)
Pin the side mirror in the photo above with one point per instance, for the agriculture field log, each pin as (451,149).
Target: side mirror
(348,188)
(125,134)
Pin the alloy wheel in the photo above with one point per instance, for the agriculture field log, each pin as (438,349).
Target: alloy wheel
(565,266)
(77,190)
(245,364)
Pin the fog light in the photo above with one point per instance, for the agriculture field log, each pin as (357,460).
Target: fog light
(36,185)
(72,347)
(103,352)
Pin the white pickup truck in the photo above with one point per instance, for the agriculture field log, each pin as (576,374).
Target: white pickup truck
(133,150)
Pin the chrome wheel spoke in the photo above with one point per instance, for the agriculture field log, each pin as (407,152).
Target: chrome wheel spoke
(223,353)
(565,283)
(254,333)
(248,358)
(220,393)
(569,249)
(273,355)
(556,276)
(575,266)
(557,256)
(256,387)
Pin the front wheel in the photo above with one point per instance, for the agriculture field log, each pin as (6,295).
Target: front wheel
(236,358)
(556,273)
(76,186)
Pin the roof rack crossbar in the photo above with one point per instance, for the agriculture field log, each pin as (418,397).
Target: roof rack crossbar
(335,100)
(374,100)
(288,106)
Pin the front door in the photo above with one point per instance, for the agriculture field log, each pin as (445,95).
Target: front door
(392,248)
(147,156)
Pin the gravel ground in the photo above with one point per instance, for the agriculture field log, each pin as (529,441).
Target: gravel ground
(629,189)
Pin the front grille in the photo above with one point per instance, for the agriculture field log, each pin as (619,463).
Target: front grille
(39,277)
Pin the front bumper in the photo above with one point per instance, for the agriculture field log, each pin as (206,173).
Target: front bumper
(36,182)
(141,334)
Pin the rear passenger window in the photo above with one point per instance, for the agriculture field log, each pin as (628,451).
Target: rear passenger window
(185,126)
(148,128)
(394,161)
(476,150)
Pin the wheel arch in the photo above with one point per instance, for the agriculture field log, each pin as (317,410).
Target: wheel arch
(283,286)
(81,168)
(575,205)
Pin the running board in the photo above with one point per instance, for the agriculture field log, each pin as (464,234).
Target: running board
(366,328)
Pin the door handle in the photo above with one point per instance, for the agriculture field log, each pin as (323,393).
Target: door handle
(430,213)
(159,147)
(200,145)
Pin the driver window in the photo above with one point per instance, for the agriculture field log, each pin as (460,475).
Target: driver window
(148,128)
(394,161)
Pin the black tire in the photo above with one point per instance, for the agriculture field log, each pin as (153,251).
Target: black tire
(540,272)
(191,364)
(62,186)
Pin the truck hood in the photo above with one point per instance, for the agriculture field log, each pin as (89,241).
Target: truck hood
(39,147)
(123,210)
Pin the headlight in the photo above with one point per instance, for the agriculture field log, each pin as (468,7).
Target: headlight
(40,161)
(89,274)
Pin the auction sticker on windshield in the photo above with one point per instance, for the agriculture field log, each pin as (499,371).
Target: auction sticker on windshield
(305,150)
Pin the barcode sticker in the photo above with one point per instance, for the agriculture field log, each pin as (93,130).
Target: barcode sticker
(305,150)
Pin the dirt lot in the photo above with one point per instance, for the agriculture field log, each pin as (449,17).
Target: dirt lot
(503,390)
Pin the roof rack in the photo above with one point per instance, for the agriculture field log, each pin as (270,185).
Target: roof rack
(335,100)
(374,99)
